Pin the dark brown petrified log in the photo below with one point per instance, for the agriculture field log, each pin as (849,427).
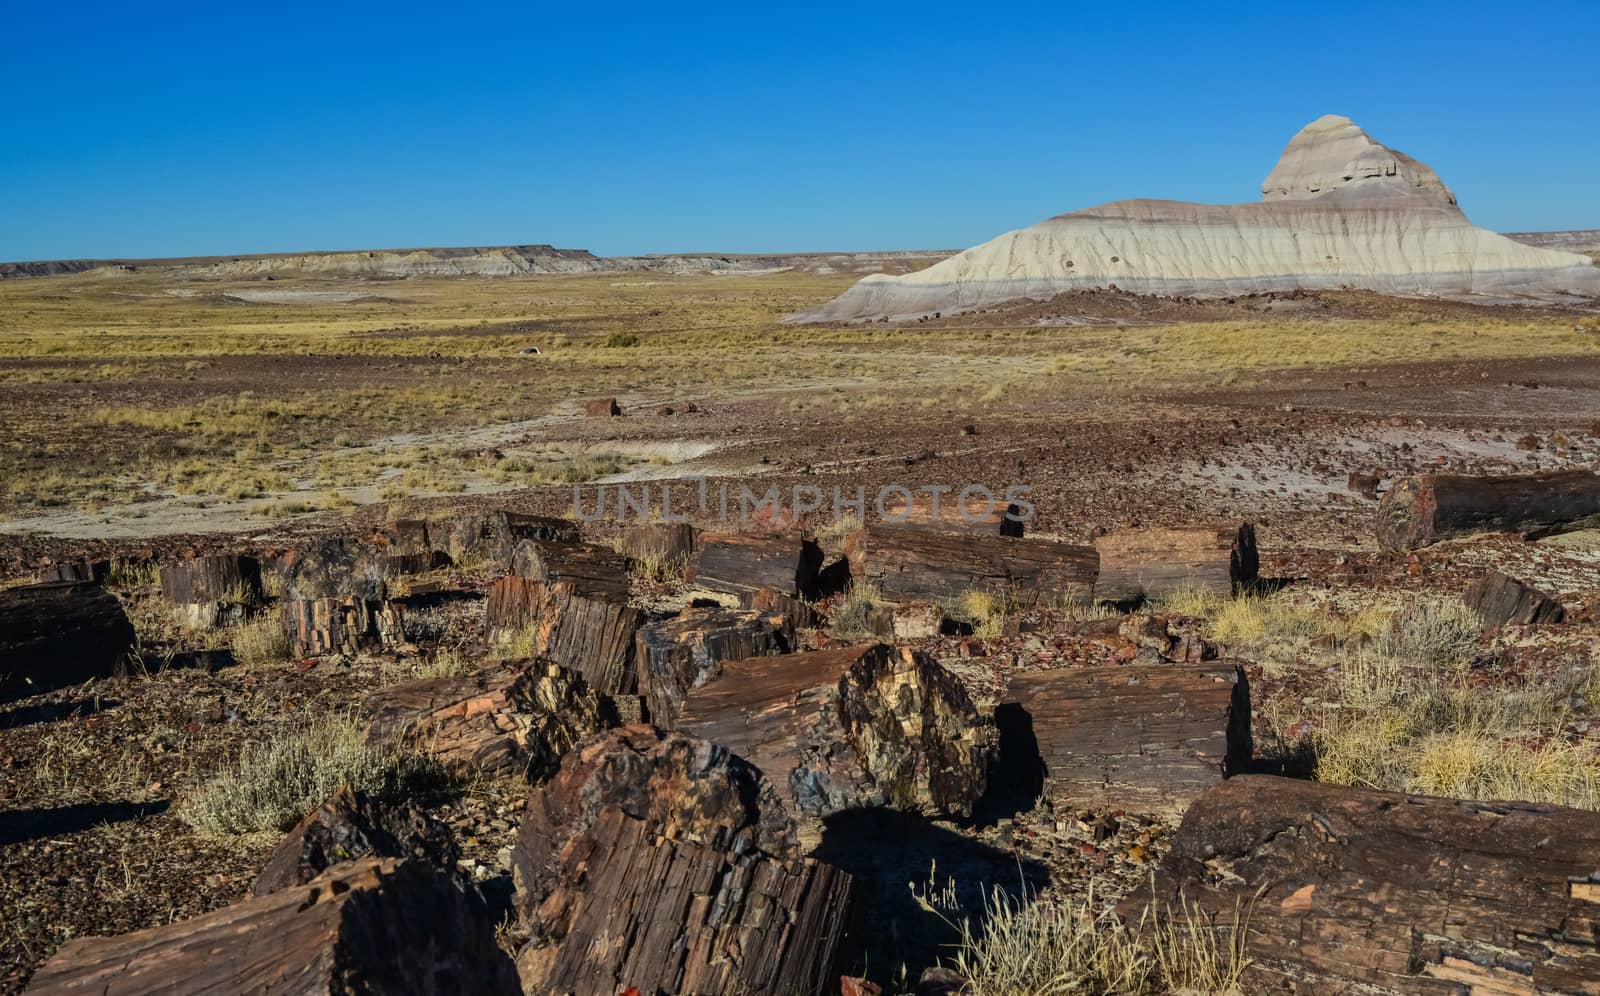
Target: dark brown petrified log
(212,591)
(797,613)
(516,717)
(353,825)
(319,626)
(1349,890)
(994,517)
(1499,599)
(332,568)
(737,563)
(683,848)
(850,728)
(686,651)
(587,630)
(76,570)
(377,925)
(1427,508)
(489,537)
(1148,739)
(664,540)
(58,634)
(592,567)
(909,563)
(1154,563)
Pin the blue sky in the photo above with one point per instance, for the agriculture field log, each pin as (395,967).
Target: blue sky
(155,130)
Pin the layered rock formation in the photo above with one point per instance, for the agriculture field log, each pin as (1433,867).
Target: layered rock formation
(1338,210)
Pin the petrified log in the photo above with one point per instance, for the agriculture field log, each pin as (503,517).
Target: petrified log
(1148,739)
(1499,599)
(353,825)
(592,567)
(1349,890)
(1421,510)
(407,548)
(683,849)
(737,563)
(377,925)
(489,537)
(95,571)
(675,655)
(1153,563)
(212,591)
(332,568)
(601,408)
(797,613)
(666,540)
(318,626)
(588,631)
(989,517)
(850,728)
(909,563)
(518,717)
(58,634)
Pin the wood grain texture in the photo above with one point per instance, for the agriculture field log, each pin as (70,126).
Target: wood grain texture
(911,563)
(60,633)
(682,653)
(1421,510)
(585,629)
(1154,563)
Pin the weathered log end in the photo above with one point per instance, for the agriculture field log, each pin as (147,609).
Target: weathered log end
(1499,600)
(321,626)
(61,633)
(1153,563)
(587,629)
(686,651)
(1406,514)
(737,563)
(353,825)
(686,844)
(1351,890)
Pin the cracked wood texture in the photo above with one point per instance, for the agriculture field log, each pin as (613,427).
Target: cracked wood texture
(1356,891)
(909,563)
(1424,509)
(517,717)
(333,568)
(1499,599)
(587,630)
(664,540)
(60,633)
(686,651)
(208,591)
(738,563)
(1153,563)
(594,568)
(354,825)
(850,728)
(489,537)
(665,864)
(319,626)
(372,926)
(975,515)
(1147,739)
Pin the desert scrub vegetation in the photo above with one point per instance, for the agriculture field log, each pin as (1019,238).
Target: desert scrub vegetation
(275,781)
(261,641)
(850,615)
(983,609)
(1045,946)
(658,568)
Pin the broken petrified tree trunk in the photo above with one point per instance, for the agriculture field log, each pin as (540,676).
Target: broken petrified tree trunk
(797,613)
(212,591)
(1499,599)
(908,563)
(1421,510)
(95,571)
(320,626)
(407,548)
(583,629)
(353,825)
(975,515)
(687,849)
(1350,890)
(662,540)
(518,717)
(489,537)
(332,568)
(592,567)
(738,563)
(850,728)
(1154,563)
(59,634)
(601,408)
(377,925)
(1148,739)
(675,655)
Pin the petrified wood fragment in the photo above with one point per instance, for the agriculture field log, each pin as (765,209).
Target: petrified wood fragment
(1154,563)
(686,651)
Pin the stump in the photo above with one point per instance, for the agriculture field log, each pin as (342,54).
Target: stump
(682,848)
(975,515)
(1499,599)
(321,626)
(1422,510)
(59,634)
(1149,564)
(592,567)
(588,631)
(737,563)
(909,564)
(850,728)
(353,825)
(212,591)
(377,925)
(332,568)
(664,540)
(489,537)
(518,717)
(1148,739)
(675,655)
(1348,888)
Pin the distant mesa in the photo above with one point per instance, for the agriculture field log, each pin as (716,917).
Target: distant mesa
(1339,210)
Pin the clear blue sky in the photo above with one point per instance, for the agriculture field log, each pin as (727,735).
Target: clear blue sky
(134,129)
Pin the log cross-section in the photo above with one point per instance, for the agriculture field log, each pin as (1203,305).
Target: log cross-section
(1147,739)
